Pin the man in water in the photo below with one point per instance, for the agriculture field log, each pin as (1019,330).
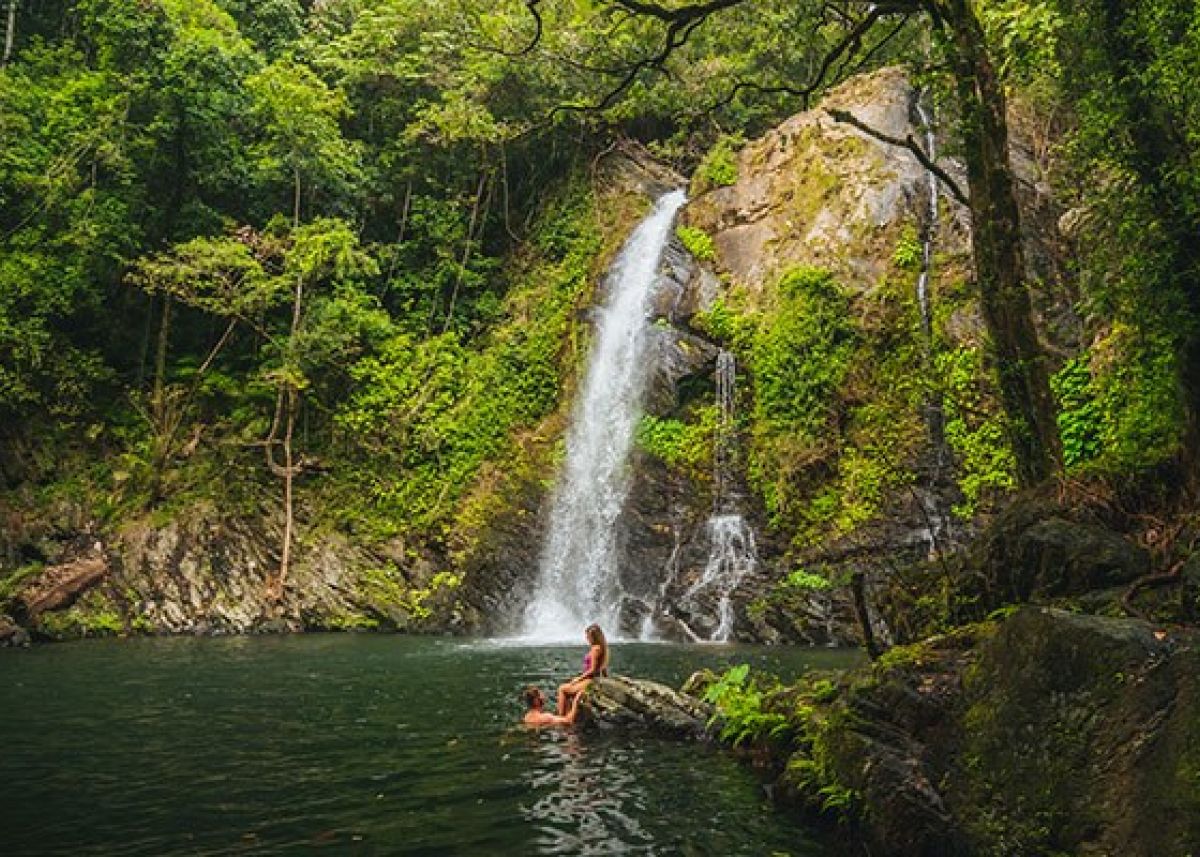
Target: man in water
(538,716)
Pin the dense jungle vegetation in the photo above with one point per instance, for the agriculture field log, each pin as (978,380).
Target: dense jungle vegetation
(334,252)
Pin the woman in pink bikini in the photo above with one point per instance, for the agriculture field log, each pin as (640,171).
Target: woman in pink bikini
(595,664)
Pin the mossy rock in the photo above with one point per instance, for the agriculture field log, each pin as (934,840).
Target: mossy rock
(1047,733)
(1081,735)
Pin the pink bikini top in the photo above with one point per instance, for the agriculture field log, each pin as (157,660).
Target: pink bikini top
(587,665)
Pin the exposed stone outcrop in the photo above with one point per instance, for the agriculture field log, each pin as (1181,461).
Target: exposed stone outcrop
(206,572)
(1055,733)
(819,192)
(812,192)
(640,705)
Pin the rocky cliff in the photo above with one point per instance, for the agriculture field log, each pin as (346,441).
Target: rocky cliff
(866,473)
(1051,733)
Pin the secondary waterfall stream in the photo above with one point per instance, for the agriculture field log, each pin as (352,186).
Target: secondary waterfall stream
(578,576)
(732,553)
(938,518)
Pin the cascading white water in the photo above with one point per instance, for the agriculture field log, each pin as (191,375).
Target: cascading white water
(732,555)
(725,436)
(931,226)
(578,582)
(732,552)
(937,520)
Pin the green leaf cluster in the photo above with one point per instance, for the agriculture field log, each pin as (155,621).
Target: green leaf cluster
(697,242)
(718,168)
(1079,415)
(740,708)
(677,443)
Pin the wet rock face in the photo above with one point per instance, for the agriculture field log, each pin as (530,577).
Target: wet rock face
(677,357)
(642,706)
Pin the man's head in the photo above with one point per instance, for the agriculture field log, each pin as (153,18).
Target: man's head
(532,697)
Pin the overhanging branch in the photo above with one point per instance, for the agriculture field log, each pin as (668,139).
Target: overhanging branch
(907,142)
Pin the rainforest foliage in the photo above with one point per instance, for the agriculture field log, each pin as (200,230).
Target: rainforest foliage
(347,244)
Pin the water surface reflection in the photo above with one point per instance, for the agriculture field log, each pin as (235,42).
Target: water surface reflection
(358,744)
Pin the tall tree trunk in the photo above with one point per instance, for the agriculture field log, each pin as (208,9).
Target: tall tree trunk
(289,398)
(158,400)
(286,402)
(295,197)
(10,32)
(289,472)
(999,256)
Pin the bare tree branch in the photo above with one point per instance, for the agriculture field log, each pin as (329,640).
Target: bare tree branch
(679,14)
(850,43)
(906,143)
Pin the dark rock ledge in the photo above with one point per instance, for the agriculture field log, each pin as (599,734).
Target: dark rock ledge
(645,706)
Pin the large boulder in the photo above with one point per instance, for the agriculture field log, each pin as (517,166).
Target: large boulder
(1056,733)
(1035,550)
(1059,556)
(620,702)
(1081,735)
(816,191)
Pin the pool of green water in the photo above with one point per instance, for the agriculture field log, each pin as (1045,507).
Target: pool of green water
(359,744)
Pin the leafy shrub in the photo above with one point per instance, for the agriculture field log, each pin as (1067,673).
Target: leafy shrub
(799,360)
(1137,390)
(1079,416)
(802,359)
(724,322)
(974,429)
(909,252)
(677,443)
(697,242)
(719,167)
(739,703)
(803,580)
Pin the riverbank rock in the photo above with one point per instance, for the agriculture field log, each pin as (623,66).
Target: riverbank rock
(1053,733)
(11,634)
(640,705)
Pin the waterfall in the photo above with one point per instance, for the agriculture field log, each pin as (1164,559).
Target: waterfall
(578,576)
(725,435)
(937,520)
(931,223)
(732,552)
(732,555)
